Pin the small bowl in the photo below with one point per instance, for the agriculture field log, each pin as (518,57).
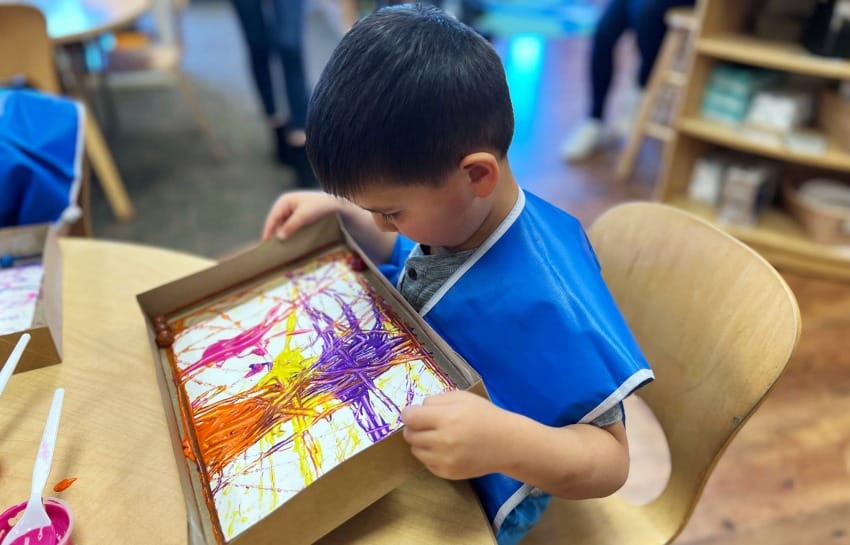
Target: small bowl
(57,510)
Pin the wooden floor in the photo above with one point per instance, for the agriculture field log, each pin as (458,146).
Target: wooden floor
(786,477)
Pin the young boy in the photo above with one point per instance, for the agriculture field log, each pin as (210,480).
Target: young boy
(410,124)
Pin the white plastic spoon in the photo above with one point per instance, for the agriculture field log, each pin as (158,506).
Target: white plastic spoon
(12,361)
(35,516)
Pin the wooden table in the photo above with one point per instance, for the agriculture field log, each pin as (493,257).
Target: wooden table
(72,21)
(113,436)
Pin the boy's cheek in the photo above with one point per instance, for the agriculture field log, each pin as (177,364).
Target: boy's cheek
(384,225)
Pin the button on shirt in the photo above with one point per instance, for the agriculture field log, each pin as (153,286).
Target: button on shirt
(424,274)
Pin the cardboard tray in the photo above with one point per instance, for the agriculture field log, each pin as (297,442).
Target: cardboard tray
(352,485)
(45,346)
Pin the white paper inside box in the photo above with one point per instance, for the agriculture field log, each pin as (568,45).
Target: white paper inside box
(284,371)
(31,295)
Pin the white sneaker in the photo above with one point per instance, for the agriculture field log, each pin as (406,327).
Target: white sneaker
(587,139)
(628,111)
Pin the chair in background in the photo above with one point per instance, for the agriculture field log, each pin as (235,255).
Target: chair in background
(718,324)
(145,58)
(27,52)
(655,114)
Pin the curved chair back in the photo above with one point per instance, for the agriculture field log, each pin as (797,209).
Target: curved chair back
(717,323)
(25,47)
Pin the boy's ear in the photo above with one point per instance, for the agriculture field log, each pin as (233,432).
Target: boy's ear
(482,169)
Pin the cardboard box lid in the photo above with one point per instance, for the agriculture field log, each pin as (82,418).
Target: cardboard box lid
(45,347)
(352,485)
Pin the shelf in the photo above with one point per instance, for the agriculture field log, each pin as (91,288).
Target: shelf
(785,56)
(732,137)
(781,240)
(777,237)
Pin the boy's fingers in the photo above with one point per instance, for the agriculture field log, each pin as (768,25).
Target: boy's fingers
(418,418)
(421,454)
(425,440)
(446,398)
(295,221)
(279,211)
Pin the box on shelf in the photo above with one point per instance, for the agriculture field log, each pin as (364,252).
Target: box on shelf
(747,188)
(706,181)
(283,371)
(781,110)
(820,203)
(834,118)
(31,294)
(730,91)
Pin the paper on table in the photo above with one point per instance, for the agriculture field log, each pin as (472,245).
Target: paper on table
(19,289)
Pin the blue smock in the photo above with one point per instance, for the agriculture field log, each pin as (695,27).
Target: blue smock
(530,311)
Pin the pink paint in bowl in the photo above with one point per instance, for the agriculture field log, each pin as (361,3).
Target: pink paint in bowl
(57,510)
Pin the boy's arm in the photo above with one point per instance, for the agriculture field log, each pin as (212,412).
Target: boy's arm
(460,435)
(292,211)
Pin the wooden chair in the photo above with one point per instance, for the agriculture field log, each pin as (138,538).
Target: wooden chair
(718,324)
(655,114)
(26,51)
(144,58)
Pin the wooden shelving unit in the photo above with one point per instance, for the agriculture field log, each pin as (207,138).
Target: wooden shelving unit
(778,236)
(789,57)
(781,241)
(731,137)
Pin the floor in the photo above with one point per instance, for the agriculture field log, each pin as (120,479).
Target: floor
(785,479)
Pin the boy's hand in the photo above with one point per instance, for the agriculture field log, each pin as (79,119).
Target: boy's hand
(292,211)
(455,434)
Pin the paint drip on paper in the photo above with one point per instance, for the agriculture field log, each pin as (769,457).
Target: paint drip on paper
(286,380)
(19,289)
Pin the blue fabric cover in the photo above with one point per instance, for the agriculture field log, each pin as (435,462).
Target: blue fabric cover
(40,147)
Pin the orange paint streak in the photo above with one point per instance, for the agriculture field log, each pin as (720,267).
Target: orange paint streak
(226,429)
(63,484)
(187,449)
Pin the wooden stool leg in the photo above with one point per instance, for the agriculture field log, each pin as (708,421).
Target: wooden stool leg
(104,168)
(673,41)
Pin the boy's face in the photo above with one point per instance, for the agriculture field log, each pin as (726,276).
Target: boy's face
(447,215)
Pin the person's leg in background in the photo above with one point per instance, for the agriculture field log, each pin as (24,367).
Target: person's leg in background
(647,18)
(289,39)
(590,135)
(255,30)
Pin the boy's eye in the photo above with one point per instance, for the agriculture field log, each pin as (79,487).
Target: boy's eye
(389,217)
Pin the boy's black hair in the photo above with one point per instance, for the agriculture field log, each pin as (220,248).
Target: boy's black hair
(407,93)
